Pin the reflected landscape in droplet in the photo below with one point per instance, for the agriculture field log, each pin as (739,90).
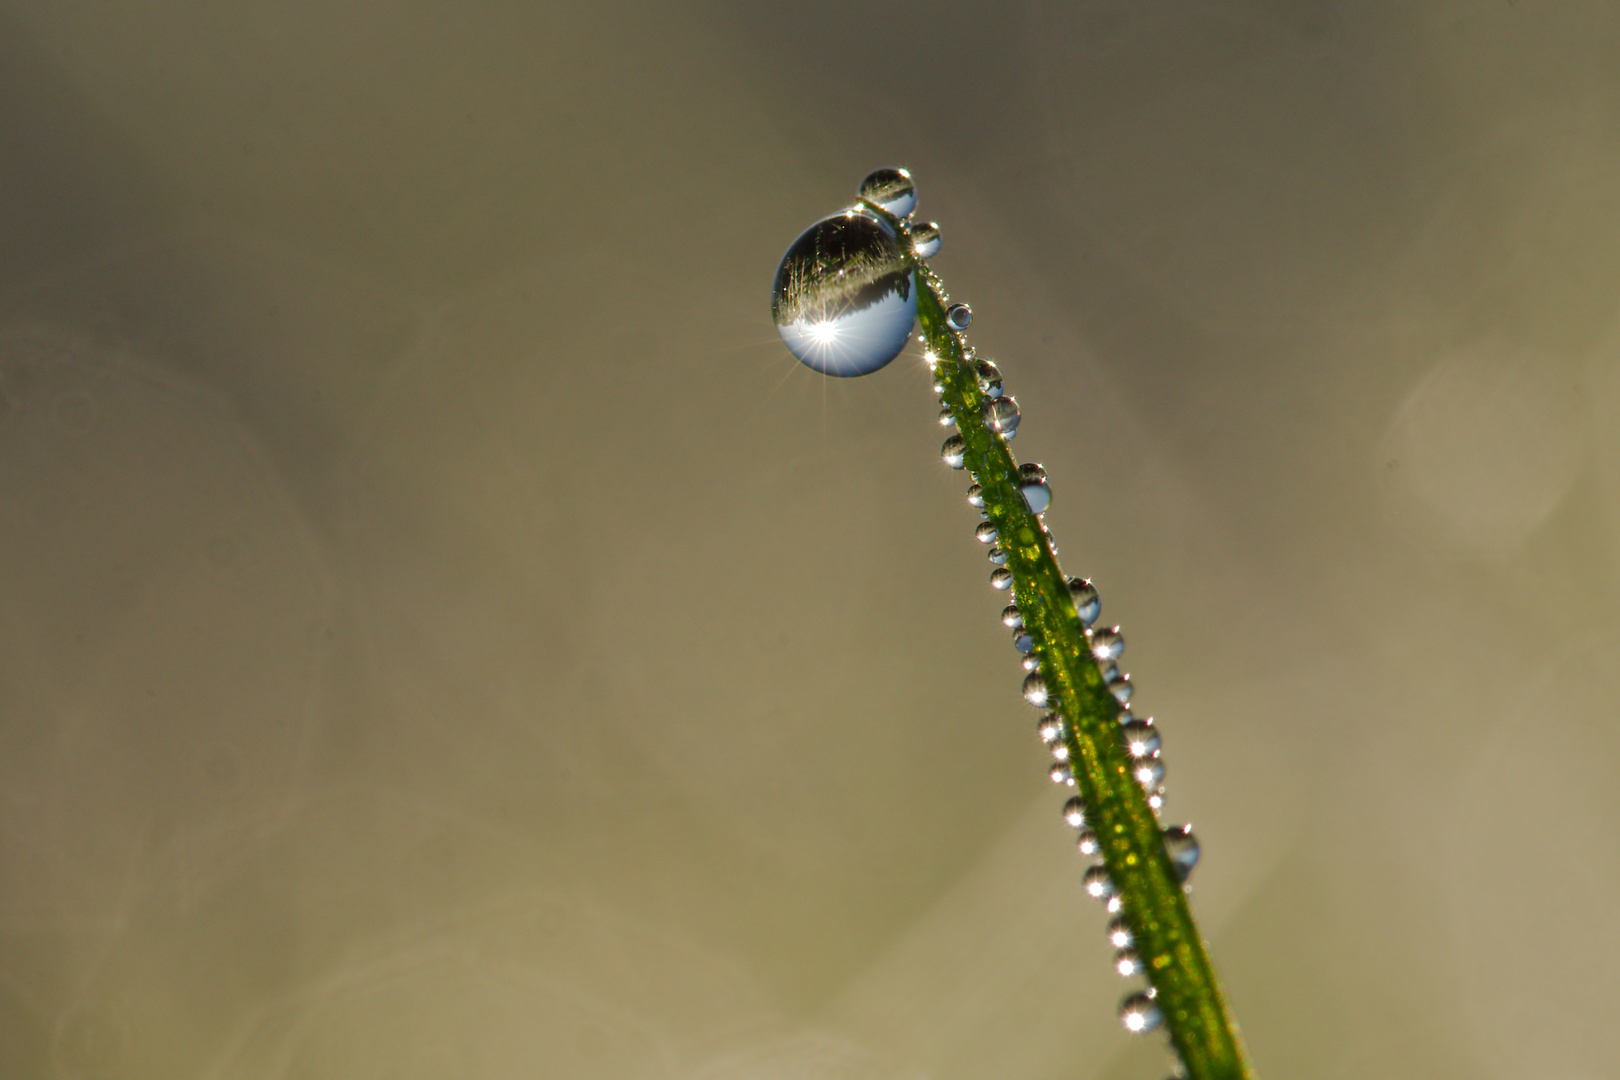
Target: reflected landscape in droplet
(845,296)
(891,189)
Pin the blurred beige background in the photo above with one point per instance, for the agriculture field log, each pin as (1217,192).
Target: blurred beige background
(446,635)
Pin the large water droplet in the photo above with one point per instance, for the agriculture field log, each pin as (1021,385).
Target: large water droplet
(1050,728)
(958,316)
(1097,884)
(925,240)
(1012,616)
(1074,812)
(1087,605)
(1119,933)
(989,377)
(1127,963)
(1088,844)
(1149,772)
(1182,847)
(1002,415)
(997,556)
(954,451)
(976,496)
(845,296)
(1140,1014)
(1107,644)
(890,189)
(1001,578)
(1035,689)
(1141,739)
(985,533)
(1037,497)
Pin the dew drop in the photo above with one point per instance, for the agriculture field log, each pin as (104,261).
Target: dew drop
(925,240)
(1037,497)
(954,451)
(1156,800)
(957,316)
(1097,884)
(1061,773)
(1060,751)
(1001,578)
(1074,813)
(939,385)
(946,417)
(989,377)
(997,556)
(892,190)
(1119,933)
(1121,688)
(1050,728)
(1140,1014)
(976,496)
(1023,640)
(986,532)
(1127,963)
(1031,473)
(1149,772)
(1002,415)
(1088,844)
(1111,672)
(1087,605)
(1012,616)
(845,295)
(1035,689)
(1115,905)
(1030,661)
(1141,739)
(1182,847)
(1107,644)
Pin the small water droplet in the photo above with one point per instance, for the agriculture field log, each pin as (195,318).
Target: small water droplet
(989,377)
(1087,605)
(1127,963)
(1061,773)
(958,316)
(1088,844)
(997,556)
(985,533)
(1035,689)
(892,190)
(1122,689)
(976,496)
(1037,497)
(1002,415)
(1107,644)
(939,384)
(1141,739)
(1074,812)
(1156,800)
(1115,905)
(946,417)
(1050,728)
(1119,933)
(1031,473)
(1182,847)
(1012,616)
(954,451)
(1060,751)
(1097,884)
(845,295)
(1149,772)
(1139,1014)
(925,240)
(1001,578)
(1110,673)
(1023,640)
(1030,661)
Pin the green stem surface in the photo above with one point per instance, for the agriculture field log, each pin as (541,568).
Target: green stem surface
(1166,938)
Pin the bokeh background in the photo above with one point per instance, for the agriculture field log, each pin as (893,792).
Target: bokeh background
(445,635)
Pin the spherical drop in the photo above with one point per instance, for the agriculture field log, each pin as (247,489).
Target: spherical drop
(1037,497)
(1107,644)
(946,417)
(1086,603)
(1001,414)
(1140,1014)
(1001,578)
(1035,689)
(958,316)
(845,295)
(1119,933)
(976,496)
(1156,800)
(954,451)
(1074,812)
(1029,661)
(1149,772)
(985,533)
(1061,773)
(1127,963)
(925,240)
(1023,640)
(1012,616)
(1141,739)
(1050,728)
(989,377)
(1182,847)
(1031,473)
(997,556)
(1122,689)
(1088,844)
(1060,751)
(1097,884)
(892,190)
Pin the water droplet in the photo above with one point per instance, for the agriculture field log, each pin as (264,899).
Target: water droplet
(1002,415)
(1115,905)
(1011,616)
(976,496)
(1001,578)
(1031,473)
(1097,883)
(1035,689)
(1030,661)
(1110,673)
(1141,739)
(946,417)
(1023,640)
(1061,773)
(1182,847)
(1122,689)
(997,556)
(1037,496)
(1050,728)
(1139,1014)
(1107,644)
(1127,963)
(939,385)
(989,377)
(1087,605)
(1119,933)
(925,240)
(845,296)
(890,189)
(1149,772)
(957,316)
(1088,844)
(954,451)
(1074,812)
(1060,751)
(1156,800)
(986,532)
